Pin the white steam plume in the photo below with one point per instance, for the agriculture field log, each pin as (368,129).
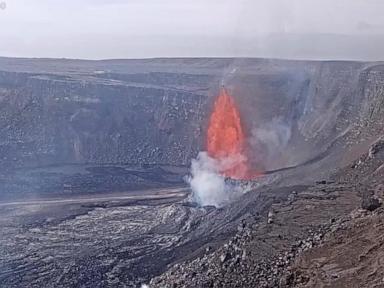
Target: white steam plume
(208,186)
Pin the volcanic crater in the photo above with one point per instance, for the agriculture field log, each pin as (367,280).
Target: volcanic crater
(94,155)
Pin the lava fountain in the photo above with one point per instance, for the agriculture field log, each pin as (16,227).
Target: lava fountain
(226,140)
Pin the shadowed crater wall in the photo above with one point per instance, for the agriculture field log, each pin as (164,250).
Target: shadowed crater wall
(55,112)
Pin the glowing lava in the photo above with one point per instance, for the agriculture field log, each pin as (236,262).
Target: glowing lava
(226,139)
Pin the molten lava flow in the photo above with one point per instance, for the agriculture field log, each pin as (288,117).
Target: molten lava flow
(226,139)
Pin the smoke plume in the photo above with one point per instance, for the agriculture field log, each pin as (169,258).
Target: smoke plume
(208,186)
(272,138)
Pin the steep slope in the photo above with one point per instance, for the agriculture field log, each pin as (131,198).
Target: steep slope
(156,111)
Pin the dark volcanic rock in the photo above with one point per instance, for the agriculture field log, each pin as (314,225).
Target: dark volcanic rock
(155,111)
(370,203)
(315,127)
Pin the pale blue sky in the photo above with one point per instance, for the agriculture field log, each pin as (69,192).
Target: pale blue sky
(99,29)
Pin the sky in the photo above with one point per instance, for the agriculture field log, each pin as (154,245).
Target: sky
(104,29)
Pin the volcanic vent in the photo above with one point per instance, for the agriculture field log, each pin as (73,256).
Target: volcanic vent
(226,156)
(226,140)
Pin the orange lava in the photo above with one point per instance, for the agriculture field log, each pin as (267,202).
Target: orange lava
(226,139)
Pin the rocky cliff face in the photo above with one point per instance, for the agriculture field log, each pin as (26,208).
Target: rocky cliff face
(155,111)
(46,120)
